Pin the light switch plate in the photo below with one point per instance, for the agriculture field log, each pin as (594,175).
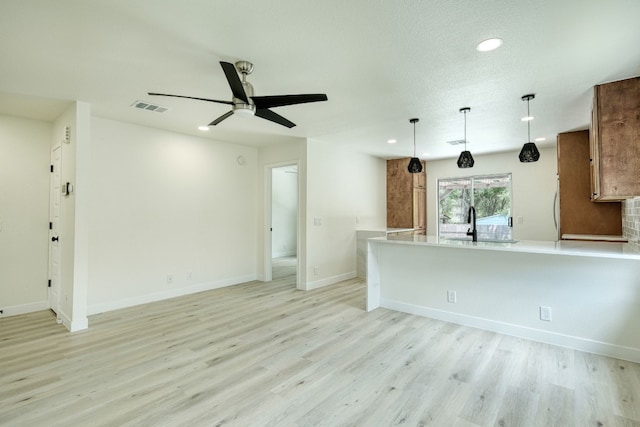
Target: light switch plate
(452,297)
(545,313)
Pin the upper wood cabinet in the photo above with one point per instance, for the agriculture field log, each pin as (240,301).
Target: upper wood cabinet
(578,215)
(406,196)
(615,141)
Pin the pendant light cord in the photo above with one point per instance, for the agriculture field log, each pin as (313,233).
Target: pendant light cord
(528,123)
(414,139)
(465,130)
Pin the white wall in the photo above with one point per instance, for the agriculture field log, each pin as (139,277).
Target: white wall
(167,204)
(284,216)
(342,186)
(24,214)
(533,189)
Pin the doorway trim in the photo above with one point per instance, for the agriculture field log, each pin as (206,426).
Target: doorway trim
(267,226)
(55,252)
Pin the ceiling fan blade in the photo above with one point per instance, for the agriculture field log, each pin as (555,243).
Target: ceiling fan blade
(221,118)
(274,117)
(234,81)
(191,97)
(280,100)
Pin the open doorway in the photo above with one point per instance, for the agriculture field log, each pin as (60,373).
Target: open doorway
(283,254)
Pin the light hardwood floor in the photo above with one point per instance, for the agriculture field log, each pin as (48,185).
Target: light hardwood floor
(266,354)
(283,267)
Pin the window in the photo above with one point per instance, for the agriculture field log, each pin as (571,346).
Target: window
(491,197)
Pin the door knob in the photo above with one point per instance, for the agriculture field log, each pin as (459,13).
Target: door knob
(54,239)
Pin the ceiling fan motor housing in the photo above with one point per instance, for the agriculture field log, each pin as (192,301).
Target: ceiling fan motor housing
(240,107)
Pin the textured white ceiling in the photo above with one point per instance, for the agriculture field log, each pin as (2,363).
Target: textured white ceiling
(380,63)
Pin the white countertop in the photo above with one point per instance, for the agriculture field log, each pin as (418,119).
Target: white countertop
(563,247)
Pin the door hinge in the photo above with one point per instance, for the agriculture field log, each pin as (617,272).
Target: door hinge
(49,284)
(50,225)
(51,168)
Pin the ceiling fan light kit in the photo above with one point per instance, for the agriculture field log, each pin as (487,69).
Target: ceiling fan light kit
(415,165)
(465,160)
(245,104)
(529,152)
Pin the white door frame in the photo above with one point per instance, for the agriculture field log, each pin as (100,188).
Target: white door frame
(55,198)
(268,264)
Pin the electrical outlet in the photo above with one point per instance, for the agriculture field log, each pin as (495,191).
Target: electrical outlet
(317,221)
(545,313)
(315,270)
(169,278)
(189,275)
(452,296)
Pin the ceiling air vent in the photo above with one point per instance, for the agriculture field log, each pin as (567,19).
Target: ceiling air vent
(458,142)
(149,107)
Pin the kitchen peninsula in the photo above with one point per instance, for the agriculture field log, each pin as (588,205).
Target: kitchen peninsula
(588,291)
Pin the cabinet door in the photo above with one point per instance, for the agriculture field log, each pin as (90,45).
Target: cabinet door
(616,140)
(419,208)
(420,179)
(399,194)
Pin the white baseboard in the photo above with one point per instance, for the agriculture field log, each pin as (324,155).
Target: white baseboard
(72,325)
(172,293)
(576,343)
(330,280)
(14,310)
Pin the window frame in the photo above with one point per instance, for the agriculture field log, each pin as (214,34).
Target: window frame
(473,179)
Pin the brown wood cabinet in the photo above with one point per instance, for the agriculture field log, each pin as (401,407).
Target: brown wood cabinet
(406,196)
(615,141)
(578,214)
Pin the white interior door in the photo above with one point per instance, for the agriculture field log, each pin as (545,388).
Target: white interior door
(55,194)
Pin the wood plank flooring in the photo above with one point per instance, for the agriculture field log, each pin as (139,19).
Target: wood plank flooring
(282,267)
(266,354)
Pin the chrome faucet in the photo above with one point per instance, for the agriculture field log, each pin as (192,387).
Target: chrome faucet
(472,220)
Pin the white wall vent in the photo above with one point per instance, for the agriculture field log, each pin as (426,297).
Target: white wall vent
(458,142)
(142,105)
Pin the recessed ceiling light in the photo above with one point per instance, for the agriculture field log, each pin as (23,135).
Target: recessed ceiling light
(426,154)
(203,128)
(391,141)
(527,118)
(489,44)
(540,139)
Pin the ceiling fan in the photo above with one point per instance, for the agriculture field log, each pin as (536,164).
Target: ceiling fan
(245,104)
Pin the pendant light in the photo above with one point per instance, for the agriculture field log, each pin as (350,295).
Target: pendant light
(529,152)
(415,165)
(466,159)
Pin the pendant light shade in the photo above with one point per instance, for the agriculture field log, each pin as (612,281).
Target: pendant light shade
(415,165)
(529,152)
(466,159)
